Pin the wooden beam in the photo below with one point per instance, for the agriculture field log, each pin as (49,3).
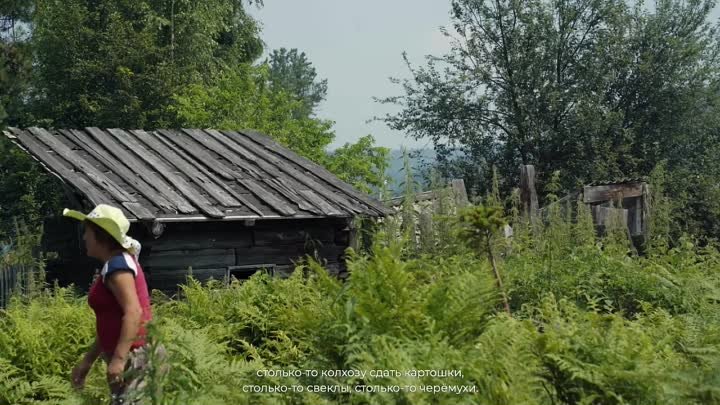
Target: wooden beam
(204,258)
(611,192)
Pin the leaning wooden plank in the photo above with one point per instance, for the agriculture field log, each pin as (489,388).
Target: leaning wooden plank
(118,167)
(182,162)
(273,201)
(38,150)
(268,159)
(77,161)
(314,168)
(592,194)
(168,173)
(139,211)
(245,162)
(119,151)
(214,178)
(200,154)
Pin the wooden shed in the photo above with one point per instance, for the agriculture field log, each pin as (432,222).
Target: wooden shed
(223,203)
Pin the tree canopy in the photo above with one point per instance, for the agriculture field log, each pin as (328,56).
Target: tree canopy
(597,89)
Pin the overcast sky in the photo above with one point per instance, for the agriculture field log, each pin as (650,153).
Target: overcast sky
(357,46)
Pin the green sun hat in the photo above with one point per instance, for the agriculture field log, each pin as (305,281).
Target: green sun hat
(111,220)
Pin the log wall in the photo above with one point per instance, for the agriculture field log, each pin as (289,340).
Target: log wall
(208,249)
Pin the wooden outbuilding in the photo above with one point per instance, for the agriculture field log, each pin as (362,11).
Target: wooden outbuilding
(214,203)
(625,200)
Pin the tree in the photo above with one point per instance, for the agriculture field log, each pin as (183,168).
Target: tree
(597,89)
(15,57)
(293,73)
(118,63)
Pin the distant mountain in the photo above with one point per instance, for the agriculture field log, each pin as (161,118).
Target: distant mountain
(419,158)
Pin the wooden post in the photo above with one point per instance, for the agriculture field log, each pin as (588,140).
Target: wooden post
(458,188)
(528,195)
(646,212)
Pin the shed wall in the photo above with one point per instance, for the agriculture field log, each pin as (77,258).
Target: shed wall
(210,249)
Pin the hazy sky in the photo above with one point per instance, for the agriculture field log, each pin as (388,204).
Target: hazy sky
(357,46)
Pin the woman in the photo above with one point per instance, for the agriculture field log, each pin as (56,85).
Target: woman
(119,297)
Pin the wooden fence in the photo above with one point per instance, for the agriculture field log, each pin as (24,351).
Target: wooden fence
(14,279)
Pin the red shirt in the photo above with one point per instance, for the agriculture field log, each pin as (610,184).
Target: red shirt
(108,312)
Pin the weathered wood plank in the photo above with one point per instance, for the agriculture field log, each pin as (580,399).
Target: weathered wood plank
(139,211)
(204,258)
(168,173)
(117,148)
(224,239)
(118,167)
(273,201)
(309,201)
(314,168)
(605,215)
(286,254)
(222,141)
(182,161)
(611,192)
(460,192)
(169,280)
(181,140)
(241,159)
(179,275)
(271,237)
(77,161)
(94,194)
(291,172)
(323,205)
(528,194)
(291,195)
(204,138)
(217,181)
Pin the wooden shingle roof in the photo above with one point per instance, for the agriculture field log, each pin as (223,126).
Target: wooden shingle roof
(192,174)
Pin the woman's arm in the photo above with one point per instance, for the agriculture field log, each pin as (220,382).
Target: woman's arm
(93,352)
(122,285)
(80,371)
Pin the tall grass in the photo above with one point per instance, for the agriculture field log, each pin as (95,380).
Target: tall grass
(593,322)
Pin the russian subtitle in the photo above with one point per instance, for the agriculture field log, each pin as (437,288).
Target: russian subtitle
(365,375)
